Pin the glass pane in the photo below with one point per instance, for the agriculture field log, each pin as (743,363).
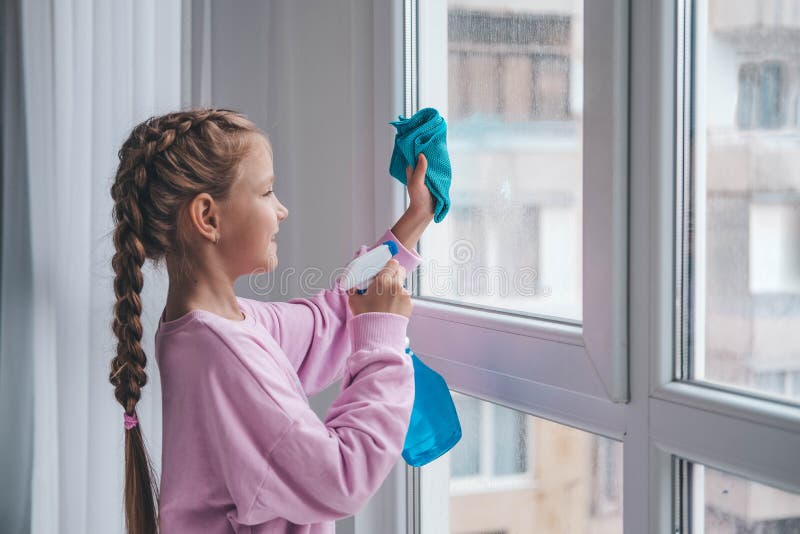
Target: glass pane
(736,505)
(512,238)
(746,187)
(465,458)
(533,475)
(509,452)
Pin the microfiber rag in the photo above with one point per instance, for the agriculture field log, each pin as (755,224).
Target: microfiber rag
(426,132)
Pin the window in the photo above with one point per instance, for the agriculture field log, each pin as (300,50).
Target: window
(728,400)
(495,447)
(732,504)
(514,67)
(781,383)
(504,309)
(774,235)
(516,473)
(761,96)
(515,147)
(536,173)
(771,108)
(478,268)
(744,313)
(607,478)
(748,89)
(698,349)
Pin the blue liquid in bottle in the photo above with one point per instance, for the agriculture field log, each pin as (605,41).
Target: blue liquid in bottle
(434,428)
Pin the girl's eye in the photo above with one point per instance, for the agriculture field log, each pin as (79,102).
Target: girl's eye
(267,194)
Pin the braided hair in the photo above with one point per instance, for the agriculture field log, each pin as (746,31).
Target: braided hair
(163,164)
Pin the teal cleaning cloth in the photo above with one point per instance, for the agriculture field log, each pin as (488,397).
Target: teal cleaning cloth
(426,132)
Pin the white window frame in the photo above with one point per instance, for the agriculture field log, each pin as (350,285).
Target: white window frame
(556,378)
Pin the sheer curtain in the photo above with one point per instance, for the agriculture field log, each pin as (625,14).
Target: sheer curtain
(77,75)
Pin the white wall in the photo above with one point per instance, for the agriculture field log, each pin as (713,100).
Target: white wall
(302,70)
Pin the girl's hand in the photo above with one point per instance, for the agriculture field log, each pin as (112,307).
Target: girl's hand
(420,199)
(384,294)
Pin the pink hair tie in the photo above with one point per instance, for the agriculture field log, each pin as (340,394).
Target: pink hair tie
(130,421)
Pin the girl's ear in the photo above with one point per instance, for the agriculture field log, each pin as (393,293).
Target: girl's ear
(204,215)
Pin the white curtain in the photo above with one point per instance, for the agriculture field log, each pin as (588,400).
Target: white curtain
(77,76)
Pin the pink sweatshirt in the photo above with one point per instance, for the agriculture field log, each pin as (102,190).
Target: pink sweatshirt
(242,450)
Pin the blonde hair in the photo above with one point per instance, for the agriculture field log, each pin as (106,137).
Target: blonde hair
(164,163)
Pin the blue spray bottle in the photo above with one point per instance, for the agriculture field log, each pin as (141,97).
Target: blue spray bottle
(434,427)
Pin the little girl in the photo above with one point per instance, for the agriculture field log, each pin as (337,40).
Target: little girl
(242,450)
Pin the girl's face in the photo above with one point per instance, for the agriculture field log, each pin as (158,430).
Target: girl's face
(251,215)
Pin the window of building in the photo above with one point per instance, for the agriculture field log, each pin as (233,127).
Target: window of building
(774,252)
(771,109)
(509,66)
(746,96)
(761,95)
(495,443)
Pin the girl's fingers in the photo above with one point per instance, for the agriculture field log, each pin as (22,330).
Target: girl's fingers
(392,265)
(418,172)
(422,168)
(393,270)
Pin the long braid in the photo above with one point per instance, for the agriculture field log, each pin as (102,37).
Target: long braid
(164,163)
(127,368)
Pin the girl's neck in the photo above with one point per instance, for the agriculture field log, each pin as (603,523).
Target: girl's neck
(175,309)
(217,298)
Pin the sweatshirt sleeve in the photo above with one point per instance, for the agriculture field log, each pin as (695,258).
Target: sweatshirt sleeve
(312,331)
(321,471)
